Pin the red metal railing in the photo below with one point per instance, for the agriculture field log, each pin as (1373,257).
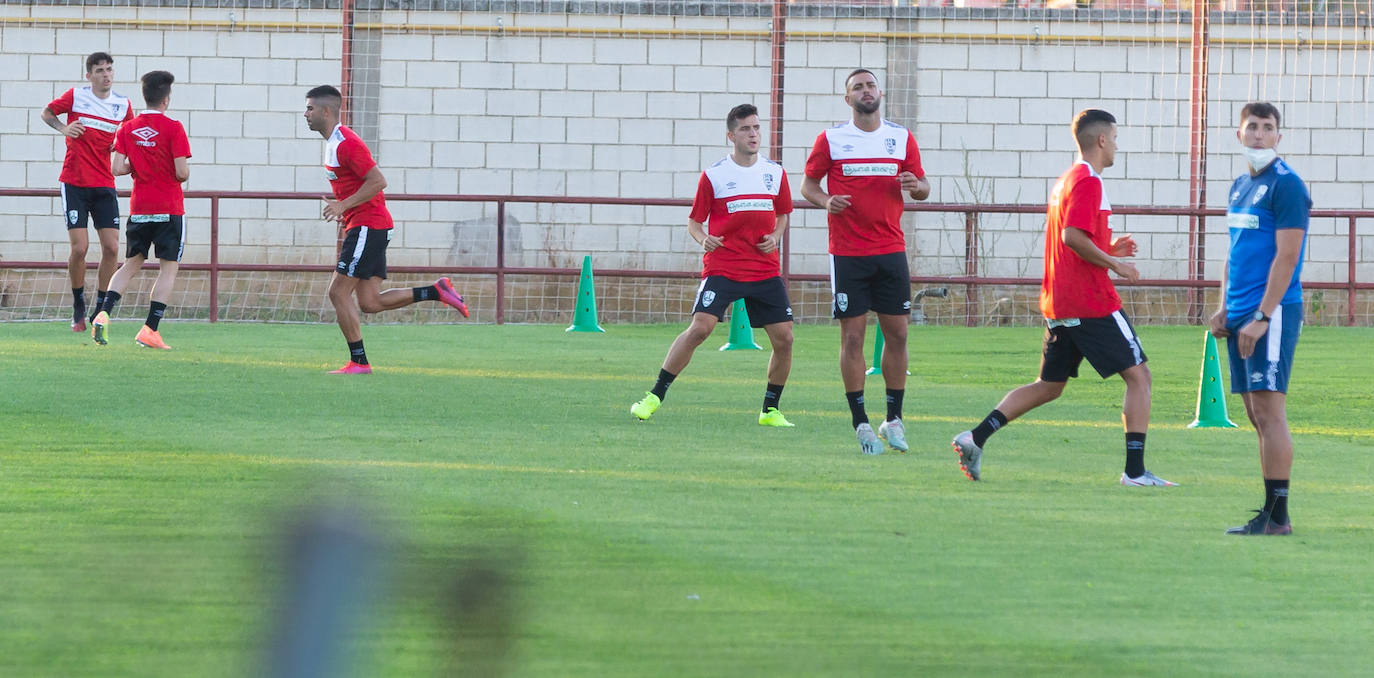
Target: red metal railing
(970,278)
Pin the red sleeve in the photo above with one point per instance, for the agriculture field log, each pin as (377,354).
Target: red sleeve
(129,114)
(119,143)
(782,204)
(913,157)
(701,204)
(356,158)
(818,163)
(62,104)
(181,146)
(1085,201)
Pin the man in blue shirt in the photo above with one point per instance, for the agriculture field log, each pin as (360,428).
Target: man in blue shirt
(1261,301)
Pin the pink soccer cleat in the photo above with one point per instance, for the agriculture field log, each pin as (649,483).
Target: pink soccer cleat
(450,296)
(353,368)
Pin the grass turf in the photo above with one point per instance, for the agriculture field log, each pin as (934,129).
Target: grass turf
(144,497)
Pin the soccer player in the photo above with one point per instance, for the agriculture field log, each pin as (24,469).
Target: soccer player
(154,148)
(1082,311)
(738,218)
(93,113)
(360,207)
(868,164)
(1261,305)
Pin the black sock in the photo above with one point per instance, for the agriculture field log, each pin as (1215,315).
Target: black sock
(857,413)
(665,379)
(99,302)
(79,300)
(771,396)
(356,352)
(426,293)
(894,403)
(155,312)
(1276,499)
(1135,455)
(111,298)
(995,420)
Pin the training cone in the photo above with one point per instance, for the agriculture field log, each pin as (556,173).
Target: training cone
(1211,397)
(741,334)
(584,318)
(878,352)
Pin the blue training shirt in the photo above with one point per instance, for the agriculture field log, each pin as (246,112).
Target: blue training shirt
(1260,205)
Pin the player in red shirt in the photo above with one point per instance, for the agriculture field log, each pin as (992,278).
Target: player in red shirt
(1082,310)
(154,149)
(360,207)
(869,165)
(93,114)
(738,217)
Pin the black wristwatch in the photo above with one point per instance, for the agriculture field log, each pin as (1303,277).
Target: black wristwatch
(1259,316)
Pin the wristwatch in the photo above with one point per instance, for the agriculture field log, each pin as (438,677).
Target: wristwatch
(1259,316)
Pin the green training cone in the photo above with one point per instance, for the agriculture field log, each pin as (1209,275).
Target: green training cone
(878,352)
(1211,397)
(741,334)
(584,318)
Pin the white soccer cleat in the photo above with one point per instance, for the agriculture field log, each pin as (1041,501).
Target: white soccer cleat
(894,432)
(1147,480)
(970,455)
(868,440)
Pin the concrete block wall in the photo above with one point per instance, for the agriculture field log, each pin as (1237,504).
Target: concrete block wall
(639,113)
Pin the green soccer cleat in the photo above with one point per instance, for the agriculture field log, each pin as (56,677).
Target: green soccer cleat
(774,418)
(646,407)
(99,328)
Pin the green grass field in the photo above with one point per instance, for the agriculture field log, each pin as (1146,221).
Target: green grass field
(144,495)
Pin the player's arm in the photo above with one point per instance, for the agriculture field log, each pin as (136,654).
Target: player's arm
(814,194)
(1289,244)
(698,232)
(183,169)
(119,164)
(916,187)
(373,183)
(1082,244)
(73,130)
(1218,320)
(772,241)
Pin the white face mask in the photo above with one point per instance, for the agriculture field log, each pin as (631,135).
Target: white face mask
(1259,158)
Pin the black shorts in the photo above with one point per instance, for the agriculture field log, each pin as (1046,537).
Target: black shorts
(764,300)
(1109,343)
(100,203)
(363,254)
(163,233)
(879,283)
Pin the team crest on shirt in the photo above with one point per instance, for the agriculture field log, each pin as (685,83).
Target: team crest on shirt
(71,216)
(768,182)
(891,145)
(707,298)
(1259,194)
(842,301)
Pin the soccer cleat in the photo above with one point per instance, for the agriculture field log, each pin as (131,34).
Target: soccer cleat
(450,296)
(970,455)
(149,338)
(894,432)
(774,418)
(353,368)
(79,325)
(79,318)
(99,328)
(647,407)
(1146,480)
(1262,524)
(868,440)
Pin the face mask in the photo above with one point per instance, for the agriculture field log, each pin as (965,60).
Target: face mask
(1259,158)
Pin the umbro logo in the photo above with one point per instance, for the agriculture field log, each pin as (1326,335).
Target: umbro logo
(144,133)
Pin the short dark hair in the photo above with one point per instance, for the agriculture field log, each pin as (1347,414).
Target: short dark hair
(1260,109)
(97,58)
(157,85)
(855,72)
(739,113)
(326,92)
(1087,123)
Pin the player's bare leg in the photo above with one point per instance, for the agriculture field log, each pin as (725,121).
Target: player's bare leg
(779,366)
(679,354)
(109,256)
(371,298)
(852,368)
(341,291)
(149,335)
(894,363)
(119,281)
(76,271)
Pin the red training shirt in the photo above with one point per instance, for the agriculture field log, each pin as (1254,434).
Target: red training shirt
(1074,288)
(864,166)
(346,161)
(153,142)
(87,163)
(742,205)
